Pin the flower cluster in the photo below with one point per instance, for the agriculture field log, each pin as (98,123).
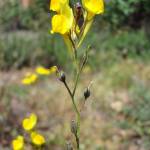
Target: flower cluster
(74,22)
(31,78)
(28,125)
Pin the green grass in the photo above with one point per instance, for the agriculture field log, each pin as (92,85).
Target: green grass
(43,48)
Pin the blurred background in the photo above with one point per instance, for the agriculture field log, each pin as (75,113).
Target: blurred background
(117,116)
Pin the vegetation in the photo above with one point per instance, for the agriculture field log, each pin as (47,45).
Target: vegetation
(118,112)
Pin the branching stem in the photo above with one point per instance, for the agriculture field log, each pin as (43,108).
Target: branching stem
(79,69)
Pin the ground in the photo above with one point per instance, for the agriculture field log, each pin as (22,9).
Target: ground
(102,113)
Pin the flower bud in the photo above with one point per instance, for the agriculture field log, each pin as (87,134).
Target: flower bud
(74,127)
(69,146)
(87,93)
(62,77)
(79,14)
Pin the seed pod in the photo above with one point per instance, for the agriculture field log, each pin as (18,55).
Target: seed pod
(87,93)
(62,77)
(74,127)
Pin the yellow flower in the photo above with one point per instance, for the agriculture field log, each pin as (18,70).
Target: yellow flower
(37,139)
(29,79)
(93,7)
(30,122)
(18,143)
(55,5)
(63,22)
(42,71)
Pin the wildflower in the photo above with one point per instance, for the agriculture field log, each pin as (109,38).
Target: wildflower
(37,139)
(30,122)
(42,71)
(29,79)
(93,7)
(18,143)
(63,21)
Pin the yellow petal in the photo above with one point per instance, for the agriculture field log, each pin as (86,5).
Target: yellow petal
(68,13)
(26,81)
(37,139)
(55,5)
(53,69)
(30,122)
(42,71)
(93,7)
(33,78)
(18,143)
(62,22)
(29,79)
(59,24)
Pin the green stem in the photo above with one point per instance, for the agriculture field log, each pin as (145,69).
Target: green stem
(72,94)
(68,89)
(79,72)
(74,47)
(73,101)
(77,115)
(77,79)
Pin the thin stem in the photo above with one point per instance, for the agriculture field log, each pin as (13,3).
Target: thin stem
(72,97)
(77,79)
(74,47)
(72,94)
(68,89)
(79,72)
(78,142)
(77,115)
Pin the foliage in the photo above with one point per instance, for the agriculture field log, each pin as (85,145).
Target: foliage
(137,114)
(114,46)
(16,18)
(17,51)
(132,13)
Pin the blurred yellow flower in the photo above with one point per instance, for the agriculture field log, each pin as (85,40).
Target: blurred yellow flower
(18,143)
(37,139)
(55,5)
(29,79)
(30,122)
(53,69)
(45,71)
(93,7)
(42,71)
(63,22)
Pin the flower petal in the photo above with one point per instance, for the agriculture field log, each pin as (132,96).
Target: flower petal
(37,138)
(18,143)
(29,123)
